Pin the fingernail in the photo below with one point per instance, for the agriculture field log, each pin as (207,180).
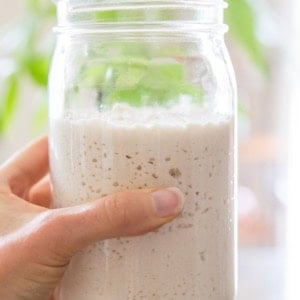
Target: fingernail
(168,202)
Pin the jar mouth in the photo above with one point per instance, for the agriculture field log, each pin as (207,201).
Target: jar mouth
(76,4)
(94,15)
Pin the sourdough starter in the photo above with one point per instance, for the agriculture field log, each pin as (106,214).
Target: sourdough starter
(95,154)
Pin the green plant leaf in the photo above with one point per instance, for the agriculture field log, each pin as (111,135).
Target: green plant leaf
(116,74)
(128,76)
(164,75)
(33,5)
(194,92)
(241,20)
(37,66)
(41,8)
(8,101)
(133,97)
(106,16)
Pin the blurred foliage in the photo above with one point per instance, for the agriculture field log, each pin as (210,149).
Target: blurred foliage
(31,59)
(28,56)
(138,81)
(242,20)
(9,95)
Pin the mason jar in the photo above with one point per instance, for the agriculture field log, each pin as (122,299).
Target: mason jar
(142,94)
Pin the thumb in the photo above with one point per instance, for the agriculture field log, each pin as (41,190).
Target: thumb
(129,213)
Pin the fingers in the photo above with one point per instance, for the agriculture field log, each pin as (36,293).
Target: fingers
(26,167)
(125,214)
(40,194)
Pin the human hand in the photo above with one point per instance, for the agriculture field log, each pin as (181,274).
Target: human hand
(37,242)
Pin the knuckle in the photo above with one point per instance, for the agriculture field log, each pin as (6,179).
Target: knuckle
(117,212)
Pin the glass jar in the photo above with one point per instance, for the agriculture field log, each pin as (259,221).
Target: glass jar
(142,94)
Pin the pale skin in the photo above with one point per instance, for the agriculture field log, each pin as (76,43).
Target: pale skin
(37,242)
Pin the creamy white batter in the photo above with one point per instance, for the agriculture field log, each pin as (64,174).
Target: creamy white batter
(96,154)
